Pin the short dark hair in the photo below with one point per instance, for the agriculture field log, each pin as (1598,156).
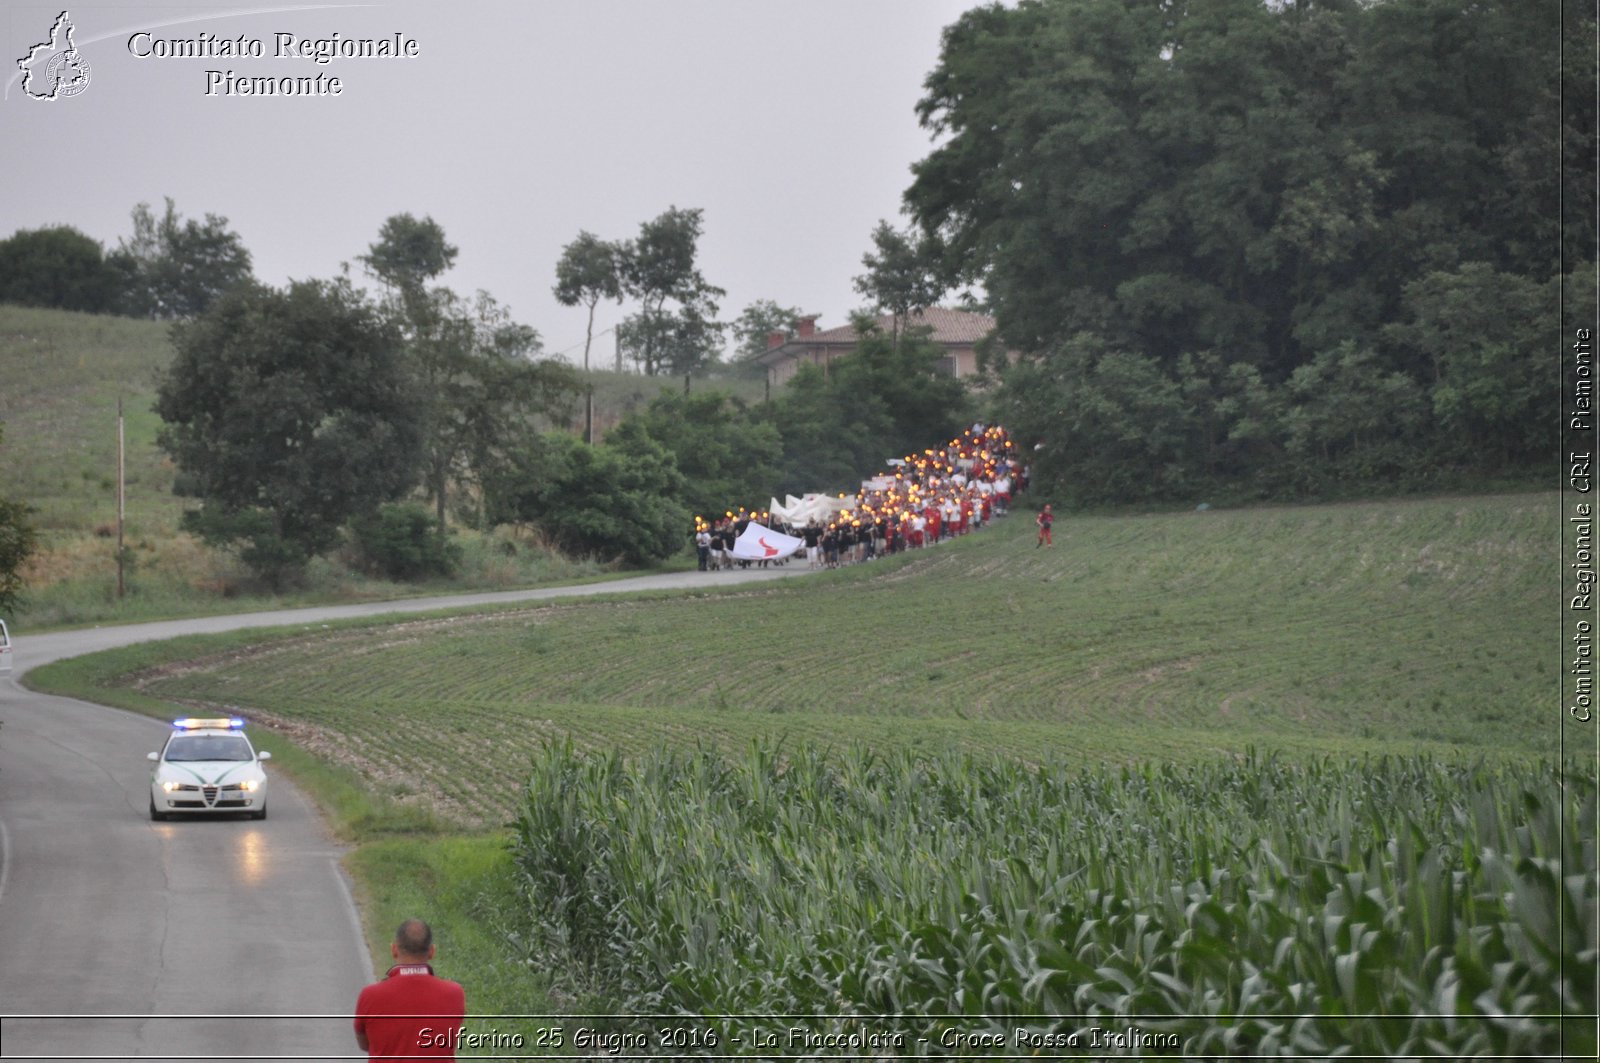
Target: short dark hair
(414,938)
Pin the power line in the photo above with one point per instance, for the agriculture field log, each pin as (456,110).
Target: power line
(579,346)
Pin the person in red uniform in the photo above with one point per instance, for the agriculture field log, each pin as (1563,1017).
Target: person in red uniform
(411,1013)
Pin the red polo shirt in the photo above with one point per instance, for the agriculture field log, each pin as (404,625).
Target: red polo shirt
(411,1014)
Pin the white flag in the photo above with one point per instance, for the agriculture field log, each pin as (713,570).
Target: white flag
(761,543)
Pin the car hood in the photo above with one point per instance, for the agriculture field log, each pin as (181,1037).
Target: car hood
(209,772)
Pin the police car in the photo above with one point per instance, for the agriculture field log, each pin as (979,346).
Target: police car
(208,765)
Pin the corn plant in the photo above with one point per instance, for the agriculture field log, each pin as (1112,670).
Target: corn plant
(1404,906)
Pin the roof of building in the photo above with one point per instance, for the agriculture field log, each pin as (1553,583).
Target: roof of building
(953,327)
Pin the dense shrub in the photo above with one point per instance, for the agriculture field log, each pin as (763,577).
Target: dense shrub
(604,502)
(402,541)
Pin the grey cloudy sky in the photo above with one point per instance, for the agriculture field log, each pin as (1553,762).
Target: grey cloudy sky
(792,124)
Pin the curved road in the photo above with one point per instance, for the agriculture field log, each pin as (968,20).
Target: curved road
(202,938)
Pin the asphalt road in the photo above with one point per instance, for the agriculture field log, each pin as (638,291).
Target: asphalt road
(201,938)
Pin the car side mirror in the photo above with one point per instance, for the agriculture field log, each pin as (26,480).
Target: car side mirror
(263,755)
(152,756)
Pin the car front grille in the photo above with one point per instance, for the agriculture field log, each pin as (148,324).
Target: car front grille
(210,796)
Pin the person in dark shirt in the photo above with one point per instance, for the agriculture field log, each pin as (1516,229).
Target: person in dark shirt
(813,537)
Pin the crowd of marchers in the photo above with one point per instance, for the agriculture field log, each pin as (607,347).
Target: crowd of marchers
(919,501)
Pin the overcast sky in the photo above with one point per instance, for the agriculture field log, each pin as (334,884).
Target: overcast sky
(792,124)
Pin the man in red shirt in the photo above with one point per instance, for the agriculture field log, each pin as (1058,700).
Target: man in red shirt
(411,1014)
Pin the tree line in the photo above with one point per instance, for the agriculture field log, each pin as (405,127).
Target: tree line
(308,416)
(173,268)
(305,416)
(1267,250)
(169,267)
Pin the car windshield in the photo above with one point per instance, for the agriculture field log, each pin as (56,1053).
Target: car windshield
(208,747)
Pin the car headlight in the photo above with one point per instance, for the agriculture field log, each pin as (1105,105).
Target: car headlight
(249,786)
(170,785)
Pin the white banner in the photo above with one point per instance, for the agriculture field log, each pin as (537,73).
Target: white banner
(813,507)
(761,543)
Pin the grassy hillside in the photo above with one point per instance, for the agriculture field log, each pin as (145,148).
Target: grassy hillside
(63,373)
(1352,628)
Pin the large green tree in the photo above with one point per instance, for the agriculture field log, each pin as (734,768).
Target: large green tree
(483,385)
(57,267)
(409,252)
(675,328)
(1265,189)
(288,412)
(901,276)
(589,270)
(176,268)
(481,377)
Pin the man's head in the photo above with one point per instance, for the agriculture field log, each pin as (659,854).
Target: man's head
(413,942)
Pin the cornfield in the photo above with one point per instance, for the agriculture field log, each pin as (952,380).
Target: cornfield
(1262,906)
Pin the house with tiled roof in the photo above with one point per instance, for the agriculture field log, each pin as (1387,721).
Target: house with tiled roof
(957,331)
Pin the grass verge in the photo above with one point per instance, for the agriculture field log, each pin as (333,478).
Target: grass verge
(464,886)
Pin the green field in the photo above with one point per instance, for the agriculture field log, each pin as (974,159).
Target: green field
(685,772)
(1415,626)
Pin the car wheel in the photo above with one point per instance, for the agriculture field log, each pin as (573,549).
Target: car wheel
(260,813)
(154,815)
